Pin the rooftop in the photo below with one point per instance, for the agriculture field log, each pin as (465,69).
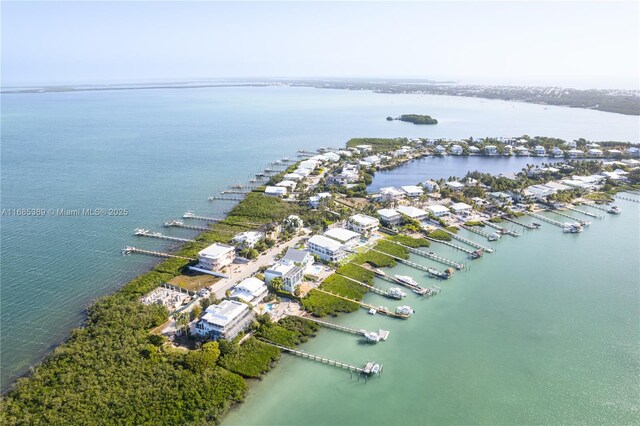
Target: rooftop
(328,243)
(341,234)
(437,208)
(224,313)
(411,211)
(216,250)
(388,212)
(295,255)
(363,219)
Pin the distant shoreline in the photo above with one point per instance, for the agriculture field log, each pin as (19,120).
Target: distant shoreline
(625,102)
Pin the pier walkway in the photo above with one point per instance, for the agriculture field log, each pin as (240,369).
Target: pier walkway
(146,233)
(384,334)
(181,224)
(190,215)
(626,198)
(130,249)
(593,215)
(223,198)
(450,244)
(367,369)
(524,225)
(370,287)
(502,230)
(431,256)
(604,208)
(379,309)
(545,219)
(469,242)
(559,213)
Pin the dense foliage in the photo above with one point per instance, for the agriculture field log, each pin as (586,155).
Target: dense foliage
(321,304)
(357,273)
(441,235)
(113,370)
(251,359)
(418,119)
(378,144)
(289,331)
(410,241)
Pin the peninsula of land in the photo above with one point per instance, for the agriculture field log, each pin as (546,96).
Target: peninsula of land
(304,241)
(415,119)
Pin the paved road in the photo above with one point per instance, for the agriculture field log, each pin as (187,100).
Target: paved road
(241,271)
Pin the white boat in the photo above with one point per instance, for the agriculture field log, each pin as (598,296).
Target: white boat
(397,293)
(493,237)
(375,369)
(406,279)
(614,210)
(572,228)
(404,310)
(372,311)
(372,336)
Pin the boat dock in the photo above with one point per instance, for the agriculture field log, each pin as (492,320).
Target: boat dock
(384,334)
(224,198)
(559,213)
(367,369)
(234,191)
(604,208)
(624,197)
(545,219)
(450,244)
(431,256)
(469,242)
(573,209)
(378,309)
(140,232)
(404,261)
(190,215)
(524,225)
(180,224)
(129,250)
(370,287)
(503,231)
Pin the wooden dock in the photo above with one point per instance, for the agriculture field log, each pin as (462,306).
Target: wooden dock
(367,369)
(626,198)
(191,215)
(500,229)
(146,233)
(604,208)
(384,334)
(467,241)
(180,224)
(450,244)
(378,309)
(429,255)
(545,219)
(130,249)
(524,225)
(223,198)
(370,287)
(593,215)
(559,213)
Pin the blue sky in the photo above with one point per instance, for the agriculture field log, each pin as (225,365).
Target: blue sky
(580,44)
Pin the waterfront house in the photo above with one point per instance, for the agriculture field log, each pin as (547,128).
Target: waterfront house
(455,185)
(614,152)
(557,152)
(224,321)
(363,224)
(412,191)
(592,145)
(431,186)
(293,176)
(216,256)
(302,258)
(331,156)
(247,239)
(320,159)
(461,209)
(275,191)
(571,144)
(390,217)
(540,151)
(399,152)
(633,151)
(289,184)
(474,149)
(363,148)
(309,164)
(290,273)
(250,290)
(441,150)
(302,172)
(413,212)
(501,197)
(490,150)
(326,249)
(574,153)
(390,193)
(343,236)
(507,150)
(521,151)
(438,210)
(315,200)
(456,150)
(595,152)
(372,159)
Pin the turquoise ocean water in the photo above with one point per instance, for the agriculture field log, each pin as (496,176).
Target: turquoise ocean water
(158,153)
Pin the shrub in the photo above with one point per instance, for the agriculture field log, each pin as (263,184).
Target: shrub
(441,235)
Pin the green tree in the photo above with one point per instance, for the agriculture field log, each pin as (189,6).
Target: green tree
(277,283)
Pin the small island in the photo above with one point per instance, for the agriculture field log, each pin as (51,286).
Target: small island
(415,119)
